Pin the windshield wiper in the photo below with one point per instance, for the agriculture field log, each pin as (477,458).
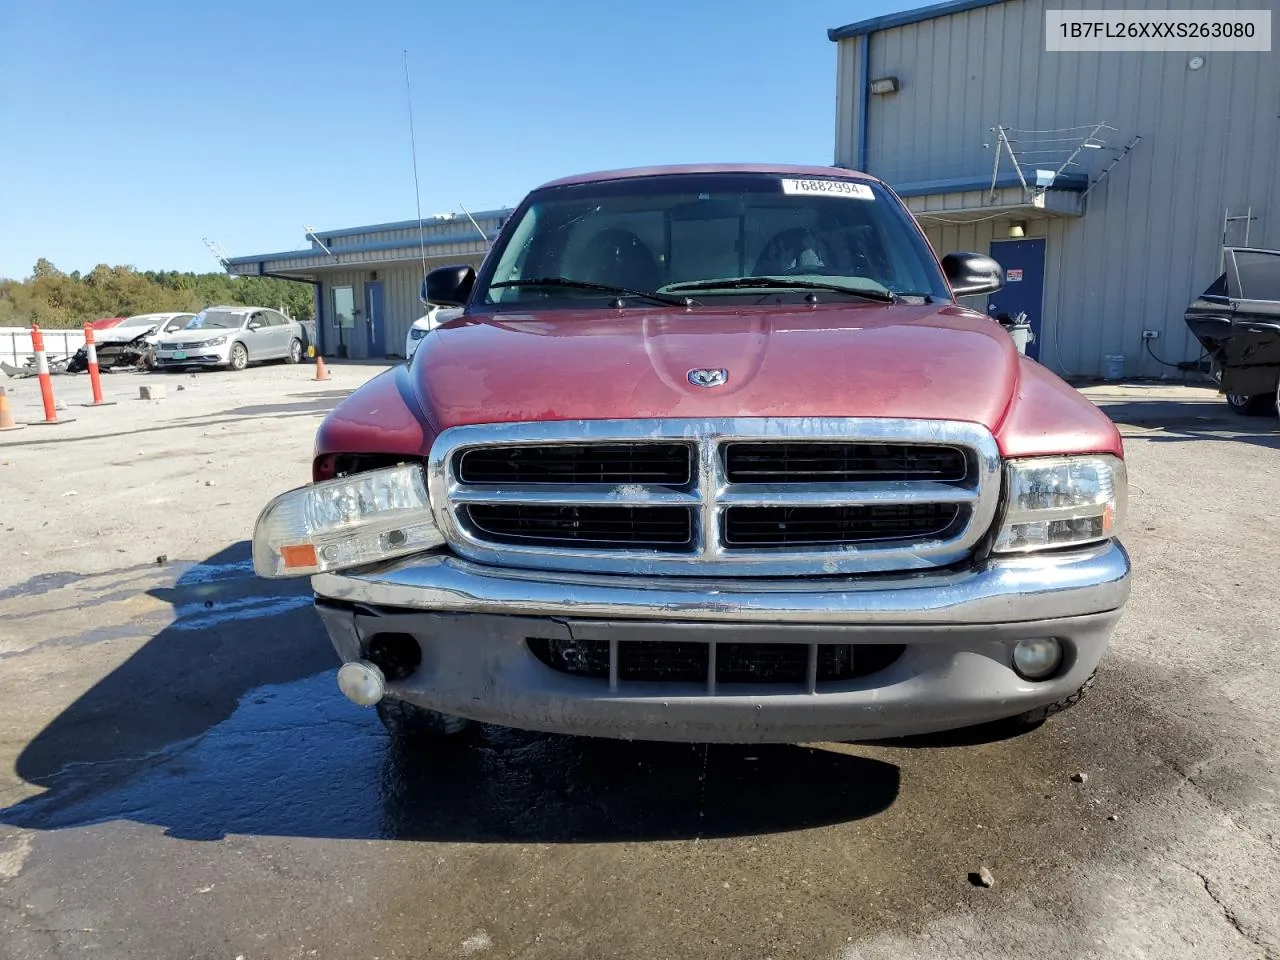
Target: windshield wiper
(757,283)
(653,295)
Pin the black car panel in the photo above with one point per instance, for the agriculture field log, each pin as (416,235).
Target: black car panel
(1237,319)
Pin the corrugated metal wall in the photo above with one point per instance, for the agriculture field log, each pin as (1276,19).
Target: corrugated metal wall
(848,101)
(400,287)
(461,251)
(1149,240)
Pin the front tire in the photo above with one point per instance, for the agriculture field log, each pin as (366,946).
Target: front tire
(1033,718)
(295,351)
(1257,405)
(239,357)
(408,723)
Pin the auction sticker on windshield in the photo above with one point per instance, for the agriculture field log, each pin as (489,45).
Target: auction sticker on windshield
(830,188)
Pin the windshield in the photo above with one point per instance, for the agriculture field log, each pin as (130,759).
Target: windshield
(215,319)
(681,233)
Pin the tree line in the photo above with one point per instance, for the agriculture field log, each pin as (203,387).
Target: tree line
(52,298)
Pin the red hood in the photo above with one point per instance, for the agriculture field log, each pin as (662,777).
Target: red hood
(931,362)
(925,362)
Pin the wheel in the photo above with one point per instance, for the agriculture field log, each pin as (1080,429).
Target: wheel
(295,351)
(1040,714)
(407,722)
(239,356)
(1258,405)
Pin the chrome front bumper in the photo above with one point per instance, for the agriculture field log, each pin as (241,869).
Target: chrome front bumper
(958,627)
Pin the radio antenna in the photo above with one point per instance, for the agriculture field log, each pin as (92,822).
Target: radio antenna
(413,148)
(474,224)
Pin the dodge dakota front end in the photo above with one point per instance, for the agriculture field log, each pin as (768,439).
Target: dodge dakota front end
(712,454)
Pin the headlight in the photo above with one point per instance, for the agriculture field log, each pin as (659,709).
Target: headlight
(416,334)
(344,523)
(215,342)
(1059,501)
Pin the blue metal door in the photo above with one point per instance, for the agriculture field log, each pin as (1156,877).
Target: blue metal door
(375,321)
(1023,262)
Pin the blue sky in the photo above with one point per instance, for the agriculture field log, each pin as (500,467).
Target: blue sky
(134,128)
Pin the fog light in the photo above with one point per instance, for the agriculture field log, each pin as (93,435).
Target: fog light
(1037,659)
(361,682)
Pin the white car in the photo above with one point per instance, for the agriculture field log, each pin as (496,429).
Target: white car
(129,343)
(145,326)
(424,325)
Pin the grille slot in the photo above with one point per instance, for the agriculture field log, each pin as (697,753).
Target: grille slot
(667,464)
(583,526)
(659,661)
(811,462)
(801,526)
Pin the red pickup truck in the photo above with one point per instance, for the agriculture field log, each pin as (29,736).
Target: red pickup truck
(712,454)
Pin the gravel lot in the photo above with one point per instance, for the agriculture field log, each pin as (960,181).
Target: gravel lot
(179,776)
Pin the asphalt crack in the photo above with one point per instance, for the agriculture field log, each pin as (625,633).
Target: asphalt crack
(1191,779)
(1229,914)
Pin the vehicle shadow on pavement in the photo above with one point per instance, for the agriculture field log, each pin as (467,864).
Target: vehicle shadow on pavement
(189,423)
(229,721)
(1179,421)
(230,632)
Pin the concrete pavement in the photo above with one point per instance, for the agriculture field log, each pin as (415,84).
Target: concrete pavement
(180,778)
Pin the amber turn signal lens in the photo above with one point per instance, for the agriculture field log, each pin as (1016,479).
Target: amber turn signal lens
(302,555)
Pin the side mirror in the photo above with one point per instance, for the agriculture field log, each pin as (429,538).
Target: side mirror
(255,325)
(450,286)
(971,274)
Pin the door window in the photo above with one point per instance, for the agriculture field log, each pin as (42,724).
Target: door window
(344,307)
(1218,288)
(1257,275)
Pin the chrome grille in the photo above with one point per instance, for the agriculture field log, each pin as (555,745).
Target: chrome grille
(751,496)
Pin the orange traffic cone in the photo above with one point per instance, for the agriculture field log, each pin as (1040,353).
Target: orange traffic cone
(6,413)
(321,372)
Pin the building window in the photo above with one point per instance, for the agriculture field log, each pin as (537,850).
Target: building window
(344,307)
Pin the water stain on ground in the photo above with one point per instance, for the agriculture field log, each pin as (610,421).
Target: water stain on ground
(787,842)
(45,583)
(226,728)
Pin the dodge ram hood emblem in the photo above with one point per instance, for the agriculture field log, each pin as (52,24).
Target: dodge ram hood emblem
(708,377)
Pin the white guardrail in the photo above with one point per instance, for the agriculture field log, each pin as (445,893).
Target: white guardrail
(15,344)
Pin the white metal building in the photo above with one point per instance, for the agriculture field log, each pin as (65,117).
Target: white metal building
(368,279)
(941,101)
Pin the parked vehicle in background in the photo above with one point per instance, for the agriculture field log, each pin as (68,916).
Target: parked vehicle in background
(1237,320)
(716,456)
(129,343)
(425,324)
(148,326)
(105,323)
(231,336)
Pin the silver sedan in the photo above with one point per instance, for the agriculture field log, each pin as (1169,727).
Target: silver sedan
(232,337)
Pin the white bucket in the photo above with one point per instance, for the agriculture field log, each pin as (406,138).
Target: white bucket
(1113,367)
(1021,333)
